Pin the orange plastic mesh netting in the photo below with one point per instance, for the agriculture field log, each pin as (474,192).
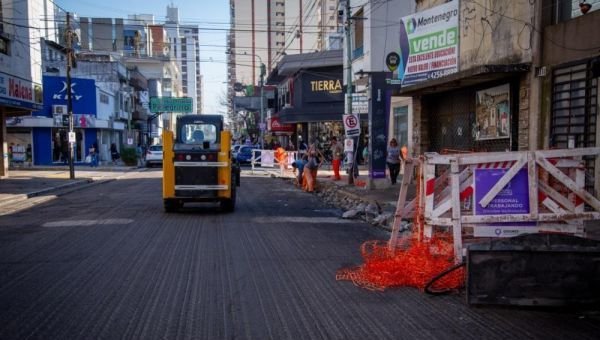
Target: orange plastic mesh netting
(414,266)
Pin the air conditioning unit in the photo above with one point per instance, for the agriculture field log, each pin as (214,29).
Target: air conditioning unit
(59,110)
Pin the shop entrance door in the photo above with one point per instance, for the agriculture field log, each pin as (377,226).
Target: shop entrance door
(60,145)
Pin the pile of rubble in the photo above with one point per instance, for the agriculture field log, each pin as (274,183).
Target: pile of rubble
(356,207)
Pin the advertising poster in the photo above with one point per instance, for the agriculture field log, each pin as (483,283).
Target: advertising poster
(492,112)
(429,44)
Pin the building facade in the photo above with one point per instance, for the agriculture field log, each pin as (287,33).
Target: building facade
(264,31)
(21,88)
(310,98)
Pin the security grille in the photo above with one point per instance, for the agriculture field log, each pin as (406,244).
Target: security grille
(574,111)
(452,124)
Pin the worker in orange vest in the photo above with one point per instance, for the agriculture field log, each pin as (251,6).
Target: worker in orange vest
(281,157)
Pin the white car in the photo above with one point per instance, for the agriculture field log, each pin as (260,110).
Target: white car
(154,155)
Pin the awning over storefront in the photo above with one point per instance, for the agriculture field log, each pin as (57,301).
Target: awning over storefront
(314,113)
(466,78)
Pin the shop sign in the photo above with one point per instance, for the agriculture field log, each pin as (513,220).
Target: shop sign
(21,93)
(275,125)
(83,94)
(322,88)
(492,113)
(429,44)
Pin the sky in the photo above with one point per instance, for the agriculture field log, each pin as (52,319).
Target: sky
(211,16)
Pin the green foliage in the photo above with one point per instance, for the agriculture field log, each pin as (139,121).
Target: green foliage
(128,156)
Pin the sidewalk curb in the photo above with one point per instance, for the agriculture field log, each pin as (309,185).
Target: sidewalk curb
(77,185)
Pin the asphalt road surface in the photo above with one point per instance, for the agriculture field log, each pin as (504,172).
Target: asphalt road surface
(106,262)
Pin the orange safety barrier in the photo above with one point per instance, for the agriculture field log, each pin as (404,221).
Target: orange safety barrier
(414,260)
(414,266)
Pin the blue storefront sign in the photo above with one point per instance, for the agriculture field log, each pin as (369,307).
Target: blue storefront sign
(83,95)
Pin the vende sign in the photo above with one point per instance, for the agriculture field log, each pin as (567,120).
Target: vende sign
(19,92)
(429,44)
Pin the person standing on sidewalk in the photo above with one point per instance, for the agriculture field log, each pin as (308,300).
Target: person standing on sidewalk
(393,160)
(337,153)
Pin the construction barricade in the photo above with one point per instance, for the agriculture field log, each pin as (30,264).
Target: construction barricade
(501,194)
(469,197)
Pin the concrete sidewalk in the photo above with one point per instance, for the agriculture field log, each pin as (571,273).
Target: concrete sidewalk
(27,182)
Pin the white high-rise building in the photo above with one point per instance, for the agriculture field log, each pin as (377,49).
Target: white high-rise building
(184,47)
(263,31)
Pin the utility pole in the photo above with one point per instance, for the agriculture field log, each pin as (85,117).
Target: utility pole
(348,36)
(263,71)
(69,41)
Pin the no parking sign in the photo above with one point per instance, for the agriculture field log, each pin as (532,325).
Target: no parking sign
(351,125)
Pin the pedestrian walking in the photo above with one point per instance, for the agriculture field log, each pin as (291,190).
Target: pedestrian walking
(337,153)
(94,155)
(28,155)
(114,153)
(139,155)
(393,160)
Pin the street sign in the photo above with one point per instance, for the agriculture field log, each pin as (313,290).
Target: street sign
(349,145)
(171,104)
(351,125)
(71,137)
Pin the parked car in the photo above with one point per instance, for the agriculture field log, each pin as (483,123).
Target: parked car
(234,150)
(244,154)
(154,155)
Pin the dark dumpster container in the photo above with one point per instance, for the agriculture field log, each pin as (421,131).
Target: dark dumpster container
(534,270)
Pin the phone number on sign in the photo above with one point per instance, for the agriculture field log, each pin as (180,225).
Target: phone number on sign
(442,73)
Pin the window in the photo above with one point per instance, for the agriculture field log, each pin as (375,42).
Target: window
(3,44)
(401,125)
(198,133)
(358,33)
(1,19)
(564,10)
(574,111)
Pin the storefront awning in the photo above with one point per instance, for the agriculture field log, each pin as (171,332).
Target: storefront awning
(466,78)
(316,113)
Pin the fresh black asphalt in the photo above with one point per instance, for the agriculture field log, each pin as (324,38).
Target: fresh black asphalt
(106,262)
